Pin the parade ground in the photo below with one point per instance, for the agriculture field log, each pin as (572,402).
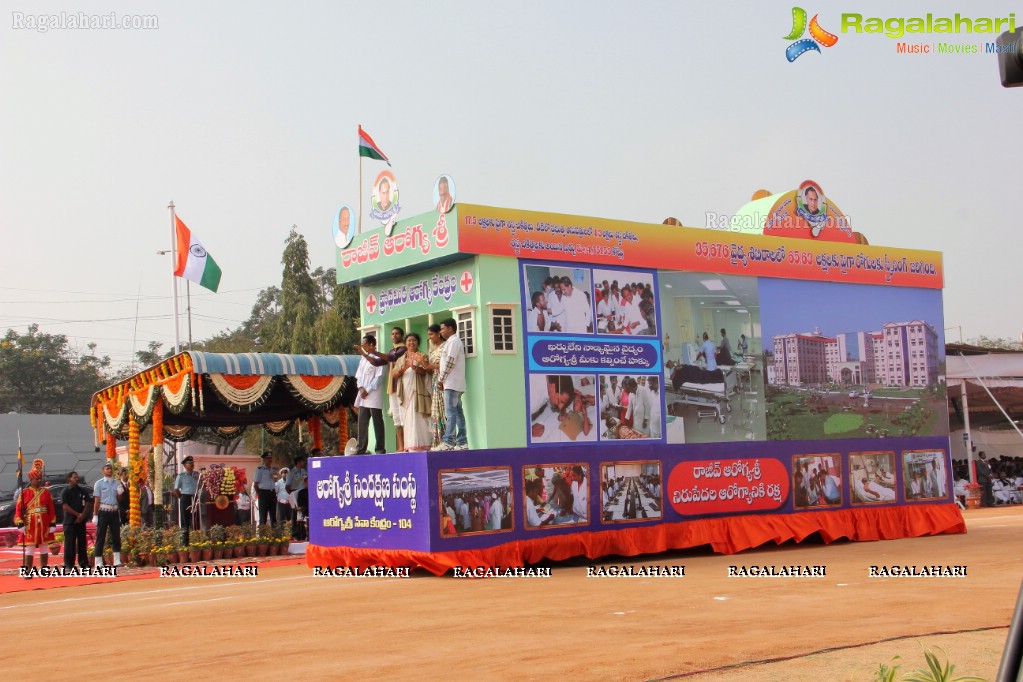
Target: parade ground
(703,626)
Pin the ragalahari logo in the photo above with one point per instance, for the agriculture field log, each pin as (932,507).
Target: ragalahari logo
(817,35)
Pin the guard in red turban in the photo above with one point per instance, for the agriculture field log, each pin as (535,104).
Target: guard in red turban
(35,511)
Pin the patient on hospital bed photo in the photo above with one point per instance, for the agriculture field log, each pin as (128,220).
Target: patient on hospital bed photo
(563,408)
(633,404)
(713,381)
(872,480)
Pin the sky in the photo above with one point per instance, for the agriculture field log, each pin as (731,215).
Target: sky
(245,115)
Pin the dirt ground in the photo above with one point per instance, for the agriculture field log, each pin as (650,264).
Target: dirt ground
(705,626)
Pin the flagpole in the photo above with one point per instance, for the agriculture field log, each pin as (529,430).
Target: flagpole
(360,183)
(174,281)
(188,305)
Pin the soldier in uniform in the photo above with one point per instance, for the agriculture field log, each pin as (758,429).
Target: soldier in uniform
(75,503)
(105,510)
(265,491)
(184,489)
(35,511)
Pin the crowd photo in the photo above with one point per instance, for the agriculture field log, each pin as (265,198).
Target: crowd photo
(475,501)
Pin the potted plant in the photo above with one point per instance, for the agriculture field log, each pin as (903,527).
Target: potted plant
(202,543)
(91,553)
(286,539)
(237,540)
(973,492)
(263,533)
(144,542)
(171,540)
(248,534)
(282,536)
(161,556)
(179,543)
(58,542)
(218,536)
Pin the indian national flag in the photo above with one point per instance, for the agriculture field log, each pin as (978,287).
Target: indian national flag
(194,263)
(367,147)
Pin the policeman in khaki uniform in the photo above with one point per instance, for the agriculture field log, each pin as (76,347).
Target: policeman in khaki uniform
(266,493)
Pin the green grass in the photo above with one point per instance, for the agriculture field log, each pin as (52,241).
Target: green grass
(791,416)
(842,422)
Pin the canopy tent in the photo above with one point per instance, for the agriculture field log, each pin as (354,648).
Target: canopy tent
(225,392)
(222,393)
(1001,373)
(986,390)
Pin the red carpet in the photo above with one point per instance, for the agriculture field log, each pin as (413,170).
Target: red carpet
(726,535)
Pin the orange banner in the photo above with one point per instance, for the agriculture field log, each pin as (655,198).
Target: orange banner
(568,239)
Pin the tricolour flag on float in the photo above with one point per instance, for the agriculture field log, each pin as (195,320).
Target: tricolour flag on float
(194,263)
(367,147)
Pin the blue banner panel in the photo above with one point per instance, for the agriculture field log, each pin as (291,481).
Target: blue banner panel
(487,498)
(379,501)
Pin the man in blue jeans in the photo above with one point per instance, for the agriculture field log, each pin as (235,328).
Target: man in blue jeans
(452,381)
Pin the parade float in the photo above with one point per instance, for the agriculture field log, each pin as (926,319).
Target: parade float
(595,425)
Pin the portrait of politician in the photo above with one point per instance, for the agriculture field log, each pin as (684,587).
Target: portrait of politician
(444,198)
(384,194)
(344,223)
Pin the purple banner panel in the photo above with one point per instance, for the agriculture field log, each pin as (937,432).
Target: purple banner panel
(378,501)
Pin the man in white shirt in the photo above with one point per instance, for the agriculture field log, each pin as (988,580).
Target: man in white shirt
(578,313)
(369,378)
(538,318)
(580,494)
(496,512)
(603,311)
(653,396)
(612,398)
(633,321)
(547,404)
(281,492)
(615,303)
(451,380)
(552,291)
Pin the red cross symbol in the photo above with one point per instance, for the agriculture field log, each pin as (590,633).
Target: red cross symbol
(371,303)
(466,282)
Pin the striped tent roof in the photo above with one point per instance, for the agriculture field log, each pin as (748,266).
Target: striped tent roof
(273,364)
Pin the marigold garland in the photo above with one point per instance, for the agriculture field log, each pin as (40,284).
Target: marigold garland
(342,430)
(134,468)
(158,423)
(111,447)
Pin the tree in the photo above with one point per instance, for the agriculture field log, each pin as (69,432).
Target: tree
(996,342)
(292,330)
(264,313)
(41,373)
(151,356)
